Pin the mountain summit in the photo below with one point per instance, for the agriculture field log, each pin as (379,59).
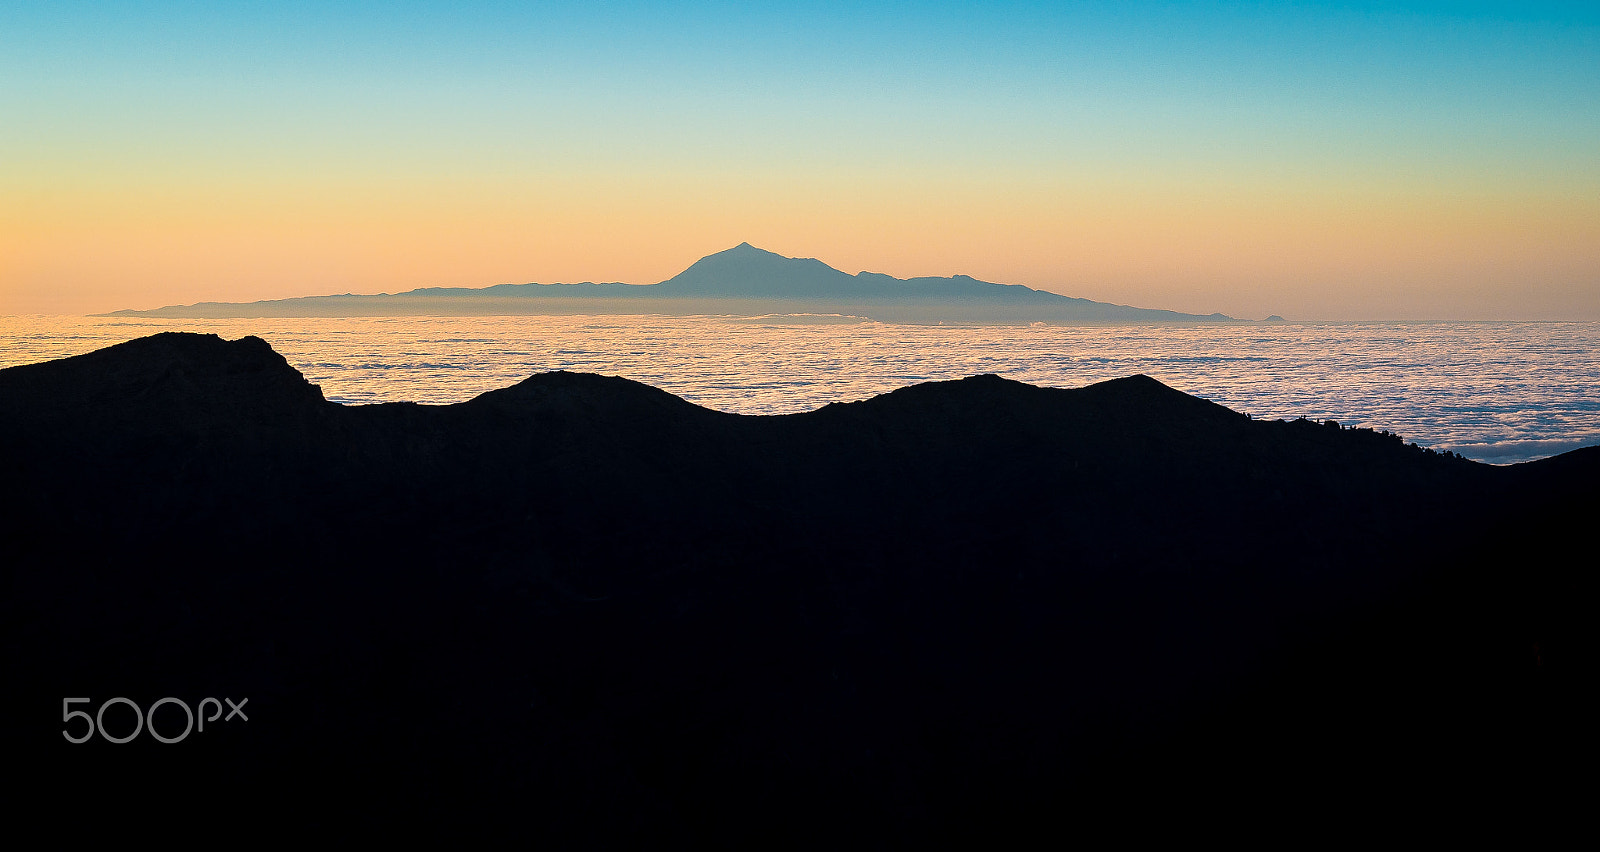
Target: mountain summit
(746,272)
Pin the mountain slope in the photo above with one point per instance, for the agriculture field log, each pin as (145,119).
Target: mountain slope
(582,608)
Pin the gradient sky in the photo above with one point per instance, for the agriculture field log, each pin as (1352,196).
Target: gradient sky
(1316,160)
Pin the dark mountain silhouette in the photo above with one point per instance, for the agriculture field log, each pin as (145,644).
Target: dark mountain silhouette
(588,612)
(743,280)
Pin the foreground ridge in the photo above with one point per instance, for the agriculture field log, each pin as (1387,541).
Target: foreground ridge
(581,607)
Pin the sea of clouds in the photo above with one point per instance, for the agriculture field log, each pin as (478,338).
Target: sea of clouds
(1496,392)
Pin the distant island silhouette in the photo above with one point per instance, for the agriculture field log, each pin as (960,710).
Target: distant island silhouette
(590,612)
(742,281)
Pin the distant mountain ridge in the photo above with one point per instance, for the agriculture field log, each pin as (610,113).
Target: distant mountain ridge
(743,280)
(746,272)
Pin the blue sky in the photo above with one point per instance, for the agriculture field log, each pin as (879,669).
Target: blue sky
(1060,113)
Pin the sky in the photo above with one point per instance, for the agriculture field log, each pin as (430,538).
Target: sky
(1314,160)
